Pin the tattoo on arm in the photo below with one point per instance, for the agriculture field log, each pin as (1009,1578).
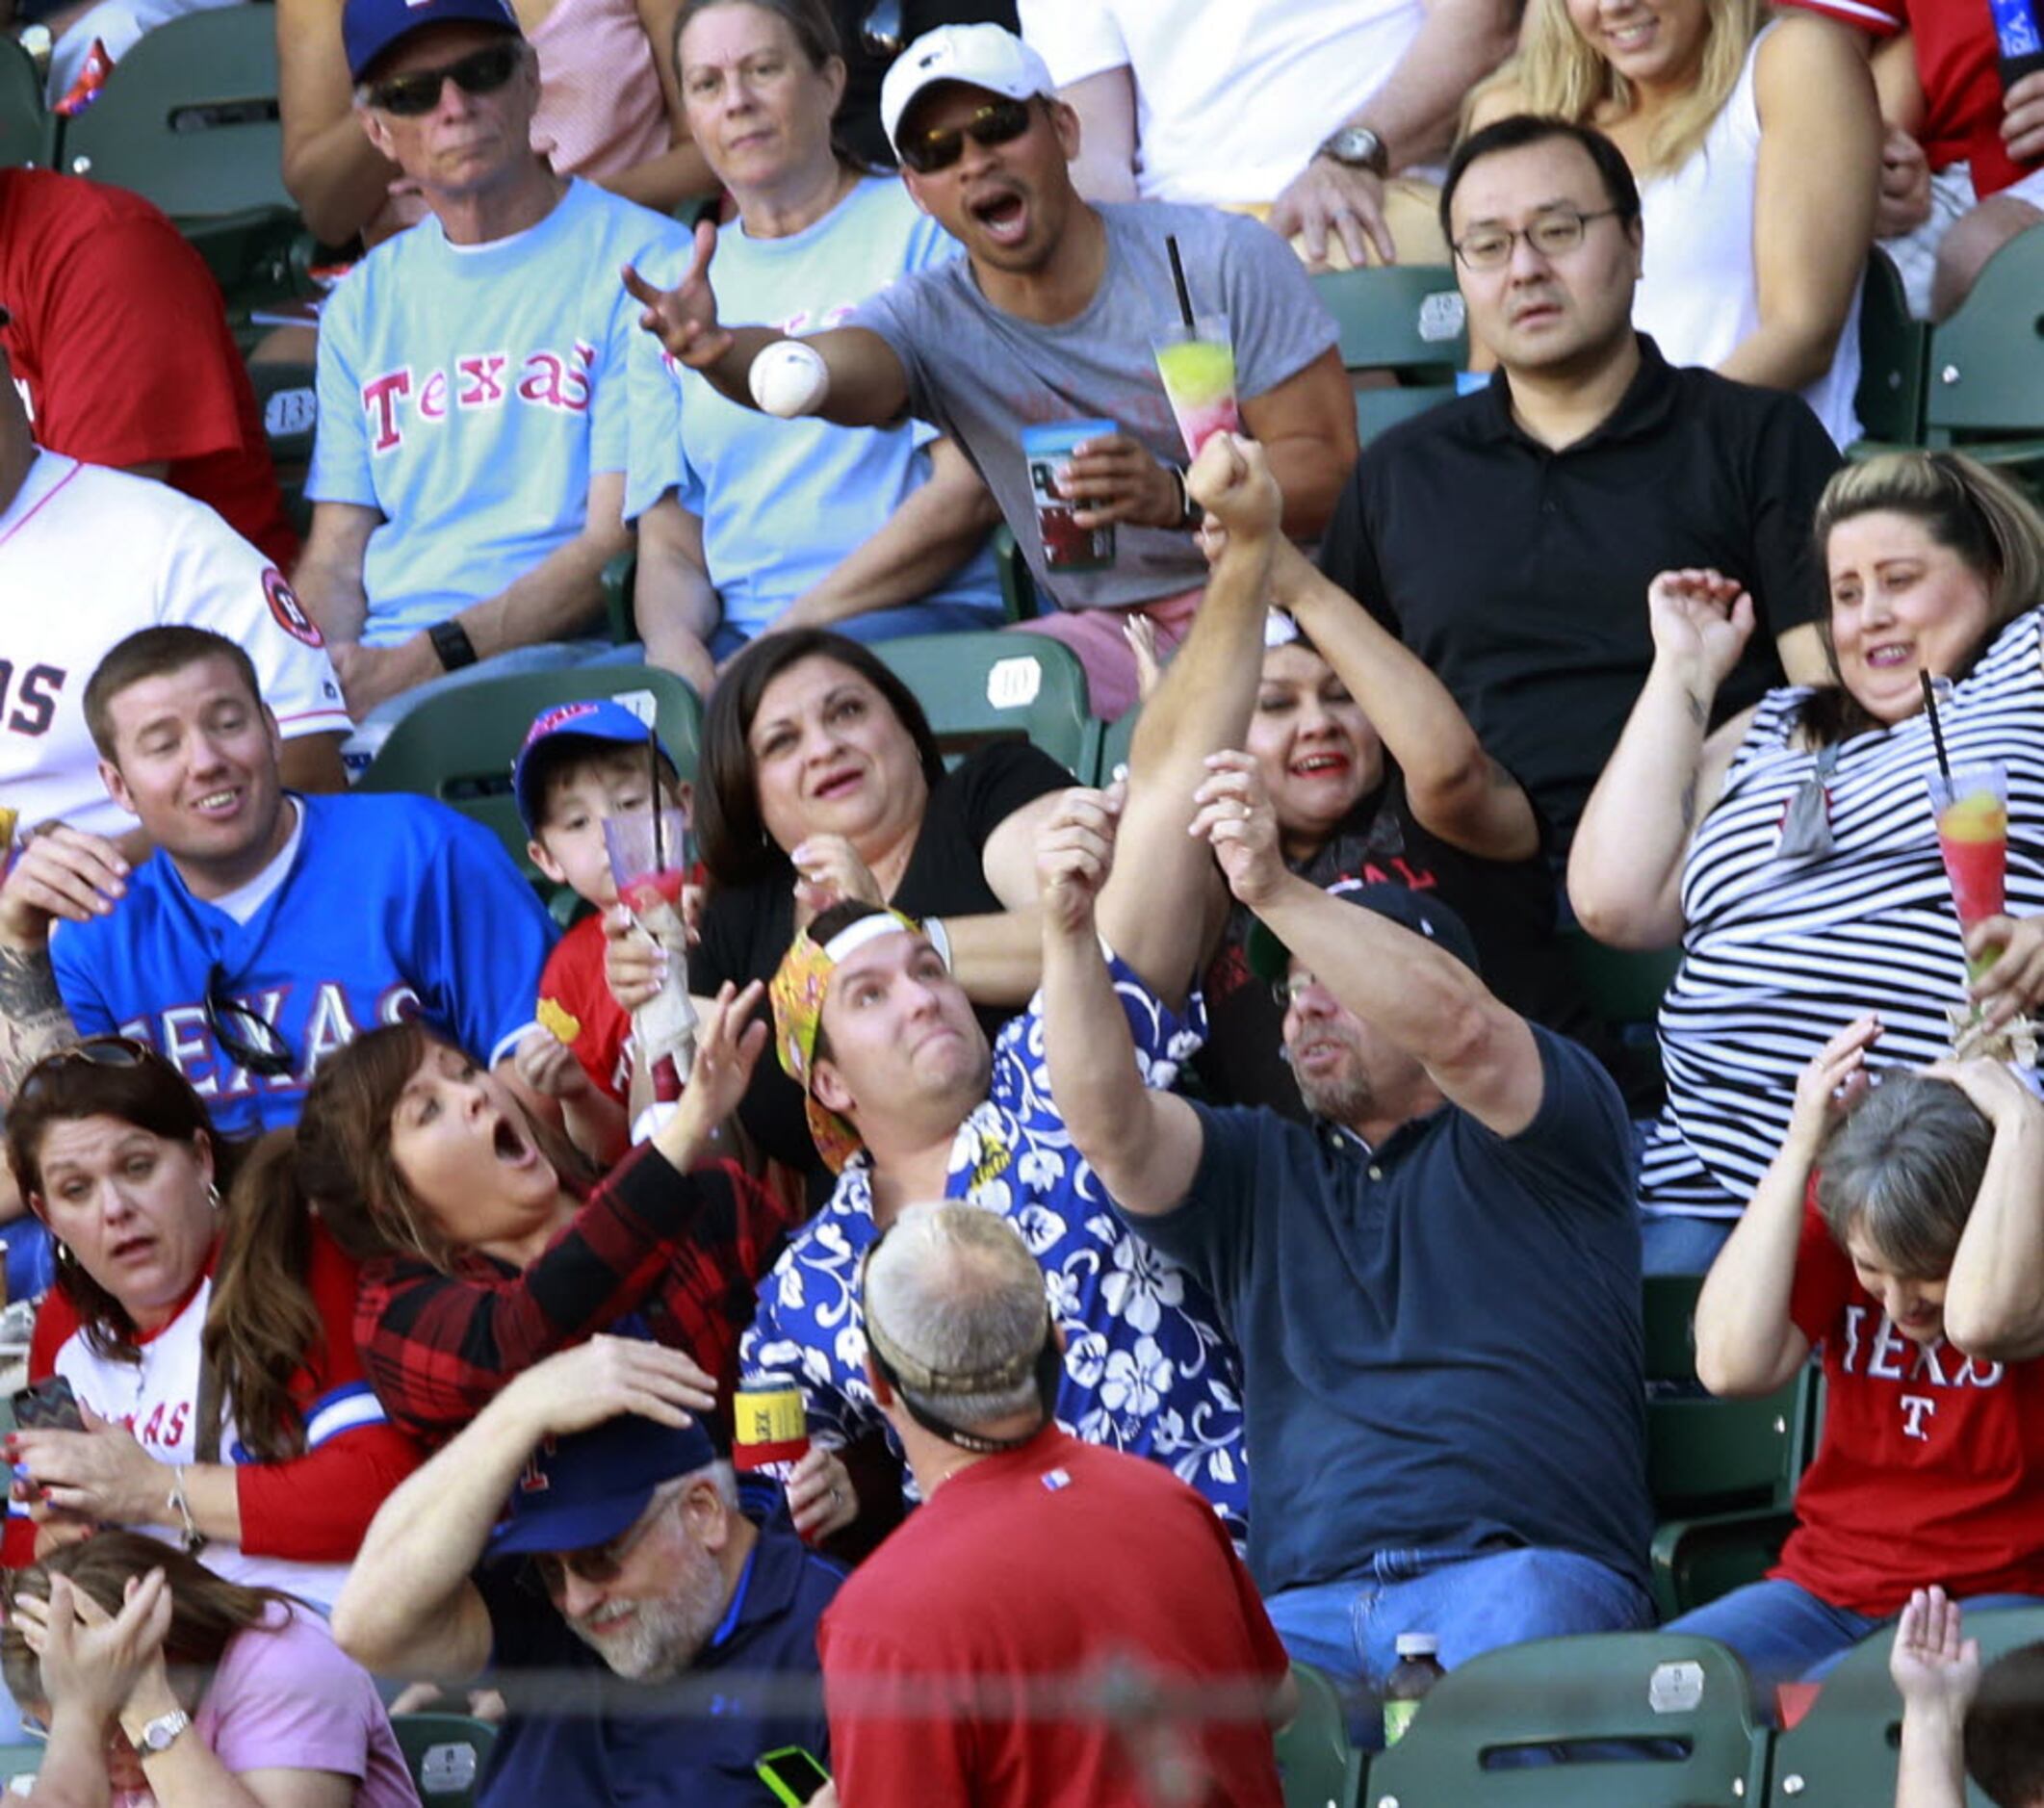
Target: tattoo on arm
(33,1019)
(1699,709)
(1689,805)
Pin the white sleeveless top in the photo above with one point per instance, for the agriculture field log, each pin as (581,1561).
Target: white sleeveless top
(1700,296)
(1779,955)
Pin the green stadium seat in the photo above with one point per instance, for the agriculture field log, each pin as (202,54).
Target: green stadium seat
(1407,319)
(1722,1472)
(444,1753)
(1893,356)
(1841,1753)
(1116,741)
(188,119)
(1623,985)
(26,130)
(18,1763)
(1646,1720)
(287,395)
(1987,386)
(981,687)
(1318,1765)
(458,746)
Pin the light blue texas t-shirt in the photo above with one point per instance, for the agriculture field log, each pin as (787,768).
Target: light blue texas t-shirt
(783,502)
(470,391)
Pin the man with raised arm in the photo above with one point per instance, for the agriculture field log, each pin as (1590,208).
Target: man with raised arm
(1049,317)
(908,1102)
(1435,1287)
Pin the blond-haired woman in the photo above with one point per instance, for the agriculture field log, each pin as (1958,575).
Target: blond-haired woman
(1757,151)
(1793,853)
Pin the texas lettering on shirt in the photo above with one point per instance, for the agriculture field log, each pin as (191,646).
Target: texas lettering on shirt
(1876,1349)
(181,1034)
(394,399)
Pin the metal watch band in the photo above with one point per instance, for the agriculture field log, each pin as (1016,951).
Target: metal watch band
(162,1733)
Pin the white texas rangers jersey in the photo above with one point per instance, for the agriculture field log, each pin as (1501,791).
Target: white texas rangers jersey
(87,557)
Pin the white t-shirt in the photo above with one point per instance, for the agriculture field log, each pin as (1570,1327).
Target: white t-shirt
(87,557)
(1700,293)
(1232,95)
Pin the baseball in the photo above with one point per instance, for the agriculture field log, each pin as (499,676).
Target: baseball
(788,378)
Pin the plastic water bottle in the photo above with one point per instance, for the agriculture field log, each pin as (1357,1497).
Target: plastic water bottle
(1406,1688)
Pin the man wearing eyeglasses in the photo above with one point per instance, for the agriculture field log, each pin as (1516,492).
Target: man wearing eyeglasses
(469,470)
(1508,537)
(649,1619)
(1049,317)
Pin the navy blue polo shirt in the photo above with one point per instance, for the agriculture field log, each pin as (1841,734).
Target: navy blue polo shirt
(580,1734)
(1441,1336)
(1518,573)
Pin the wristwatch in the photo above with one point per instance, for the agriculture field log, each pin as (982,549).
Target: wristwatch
(1358,147)
(162,1733)
(452,644)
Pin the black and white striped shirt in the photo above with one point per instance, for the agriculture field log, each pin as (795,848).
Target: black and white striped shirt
(1780,954)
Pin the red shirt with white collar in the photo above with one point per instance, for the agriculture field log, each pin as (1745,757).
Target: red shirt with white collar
(1931,1464)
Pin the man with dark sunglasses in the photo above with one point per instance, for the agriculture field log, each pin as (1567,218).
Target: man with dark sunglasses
(649,1618)
(1049,317)
(469,470)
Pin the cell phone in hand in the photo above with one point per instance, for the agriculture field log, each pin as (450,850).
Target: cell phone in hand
(793,1773)
(49,1405)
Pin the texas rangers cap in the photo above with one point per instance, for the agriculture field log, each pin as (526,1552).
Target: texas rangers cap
(980,55)
(584,1490)
(1428,916)
(600,718)
(370,27)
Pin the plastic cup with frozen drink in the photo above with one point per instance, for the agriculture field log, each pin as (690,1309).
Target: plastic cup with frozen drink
(1198,365)
(650,869)
(1048,447)
(1971,810)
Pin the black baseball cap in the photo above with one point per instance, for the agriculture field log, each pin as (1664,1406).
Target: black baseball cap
(1423,915)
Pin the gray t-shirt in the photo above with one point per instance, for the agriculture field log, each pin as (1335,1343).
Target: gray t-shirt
(981,375)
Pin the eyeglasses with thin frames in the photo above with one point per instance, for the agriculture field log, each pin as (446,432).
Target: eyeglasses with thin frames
(99,1051)
(997,123)
(417,92)
(1553,234)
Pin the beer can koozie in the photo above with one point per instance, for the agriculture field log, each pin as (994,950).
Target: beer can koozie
(770,1426)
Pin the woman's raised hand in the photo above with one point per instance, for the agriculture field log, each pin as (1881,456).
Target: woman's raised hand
(1835,1080)
(91,1658)
(828,870)
(2014,985)
(728,1041)
(1701,618)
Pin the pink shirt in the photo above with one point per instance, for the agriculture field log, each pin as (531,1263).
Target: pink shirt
(290,1698)
(600,99)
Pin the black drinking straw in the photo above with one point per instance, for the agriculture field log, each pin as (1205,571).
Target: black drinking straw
(1178,275)
(1937,729)
(653,771)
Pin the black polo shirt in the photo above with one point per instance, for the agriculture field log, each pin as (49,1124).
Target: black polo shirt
(1519,573)
(578,1733)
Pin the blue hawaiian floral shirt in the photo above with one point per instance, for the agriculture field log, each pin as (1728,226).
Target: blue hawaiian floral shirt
(1147,1367)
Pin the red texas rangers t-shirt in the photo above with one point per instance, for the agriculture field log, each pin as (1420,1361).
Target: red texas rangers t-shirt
(1931,1468)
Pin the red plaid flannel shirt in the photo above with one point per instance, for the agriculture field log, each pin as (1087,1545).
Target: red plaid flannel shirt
(684,1252)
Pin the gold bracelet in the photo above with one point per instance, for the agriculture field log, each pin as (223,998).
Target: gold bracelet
(194,1539)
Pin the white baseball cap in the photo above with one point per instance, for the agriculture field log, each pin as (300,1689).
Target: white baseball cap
(980,55)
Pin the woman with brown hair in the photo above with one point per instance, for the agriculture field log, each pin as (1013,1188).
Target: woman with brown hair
(1793,852)
(224,1407)
(156,1681)
(487,1244)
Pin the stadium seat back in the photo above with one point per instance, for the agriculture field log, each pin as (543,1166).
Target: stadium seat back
(1318,1765)
(1893,358)
(444,1753)
(25,129)
(1405,320)
(1650,1720)
(1841,1753)
(1621,985)
(458,746)
(982,687)
(1986,383)
(188,119)
(18,1764)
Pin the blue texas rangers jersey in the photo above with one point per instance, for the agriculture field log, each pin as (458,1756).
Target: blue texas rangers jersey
(393,906)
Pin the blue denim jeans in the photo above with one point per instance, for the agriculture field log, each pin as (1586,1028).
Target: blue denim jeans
(1786,1633)
(1674,1244)
(1471,1600)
